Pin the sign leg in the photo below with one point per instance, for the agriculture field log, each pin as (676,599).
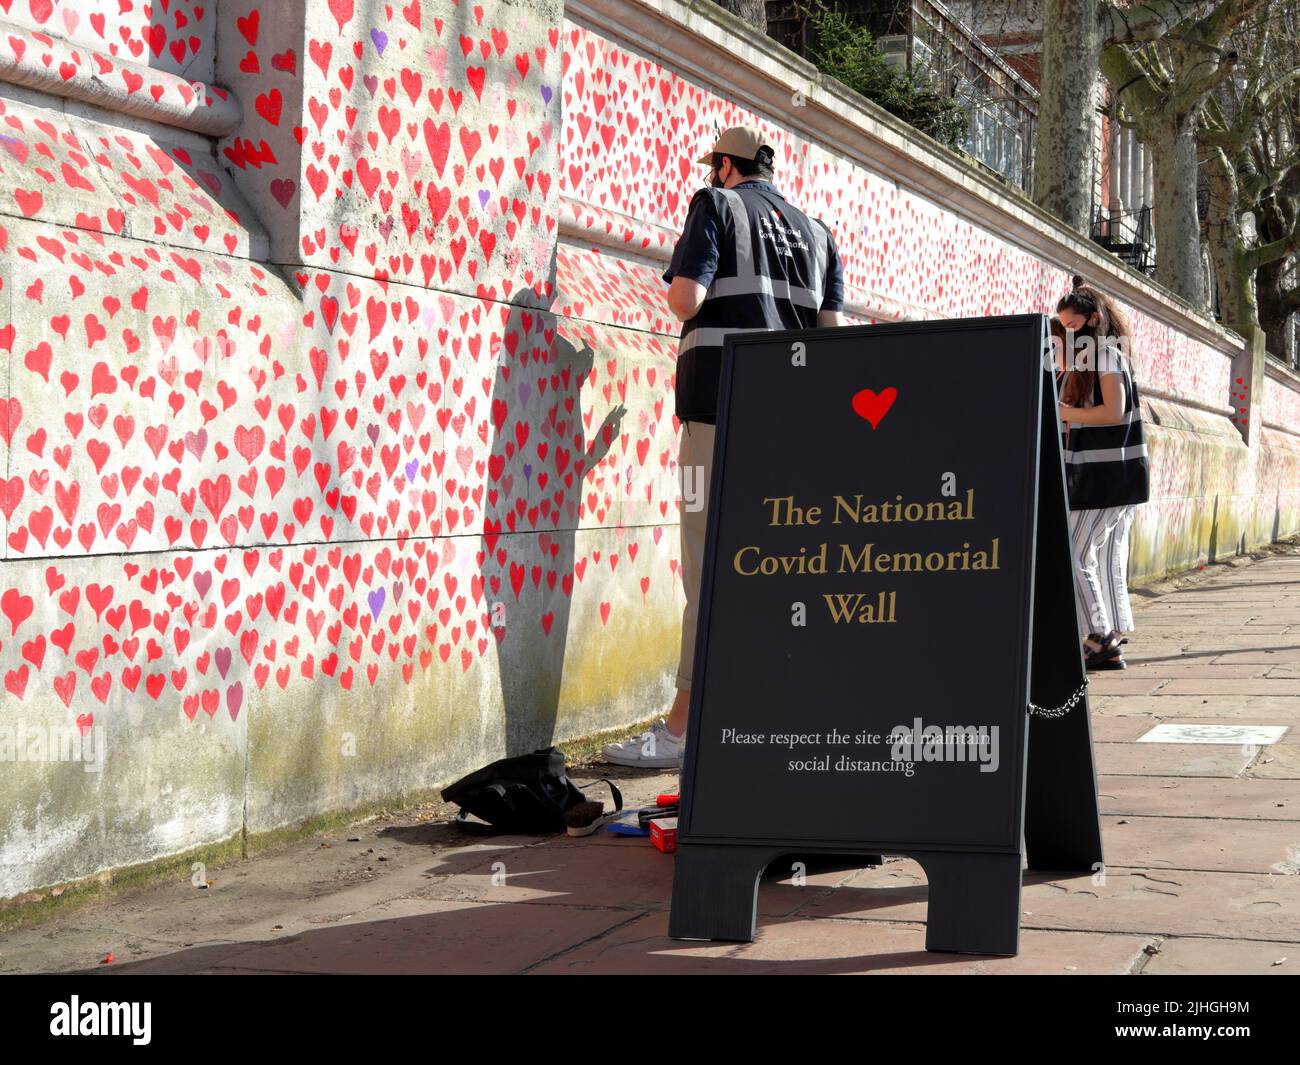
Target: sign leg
(1062,822)
(715,891)
(974,903)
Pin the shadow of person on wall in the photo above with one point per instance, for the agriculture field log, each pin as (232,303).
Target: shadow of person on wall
(541,453)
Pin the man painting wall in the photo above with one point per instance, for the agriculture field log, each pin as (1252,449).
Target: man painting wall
(746,260)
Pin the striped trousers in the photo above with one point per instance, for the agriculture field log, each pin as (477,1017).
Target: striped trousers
(1099,544)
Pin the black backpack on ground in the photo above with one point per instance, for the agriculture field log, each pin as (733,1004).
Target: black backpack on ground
(526,794)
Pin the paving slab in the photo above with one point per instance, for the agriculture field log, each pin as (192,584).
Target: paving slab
(629,873)
(1169,646)
(796,946)
(1253,906)
(1276,708)
(1250,737)
(1236,686)
(1194,669)
(1217,639)
(1279,762)
(1118,682)
(418,936)
(1171,759)
(1121,729)
(1274,656)
(249,900)
(1243,906)
(1185,843)
(1226,957)
(1200,796)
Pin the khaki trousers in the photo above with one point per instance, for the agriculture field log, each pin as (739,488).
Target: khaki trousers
(694,467)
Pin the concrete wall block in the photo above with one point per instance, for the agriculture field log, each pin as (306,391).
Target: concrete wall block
(474,402)
(1171,361)
(354,673)
(132,368)
(586,629)
(205,401)
(627,433)
(1277,502)
(177,36)
(1198,509)
(633,127)
(113,662)
(500,662)
(1175,534)
(51,174)
(67,169)
(618,292)
(1281,399)
(430,150)
(624,628)
(172,193)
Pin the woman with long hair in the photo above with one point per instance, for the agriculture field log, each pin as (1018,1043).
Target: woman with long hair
(1057,338)
(1106,468)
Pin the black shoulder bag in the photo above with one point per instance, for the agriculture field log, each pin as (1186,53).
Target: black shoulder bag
(527,794)
(1095,485)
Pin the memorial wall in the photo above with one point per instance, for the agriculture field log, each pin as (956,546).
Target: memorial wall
(337,435)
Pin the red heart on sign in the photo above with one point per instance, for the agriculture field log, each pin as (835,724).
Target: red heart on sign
(872,407)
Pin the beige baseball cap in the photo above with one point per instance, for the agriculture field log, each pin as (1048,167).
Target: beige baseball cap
(741,141)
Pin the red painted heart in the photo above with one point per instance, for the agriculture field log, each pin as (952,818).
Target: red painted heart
(872,407)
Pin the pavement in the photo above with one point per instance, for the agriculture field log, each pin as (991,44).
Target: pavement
(1202,843)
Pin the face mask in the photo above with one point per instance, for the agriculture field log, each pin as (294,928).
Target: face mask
(717,181)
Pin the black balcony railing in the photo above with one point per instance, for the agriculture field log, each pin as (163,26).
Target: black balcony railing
(924,39)
(1127,235)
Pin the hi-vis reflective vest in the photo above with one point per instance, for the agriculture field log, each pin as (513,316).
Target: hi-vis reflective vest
(1108,465)
(772,263)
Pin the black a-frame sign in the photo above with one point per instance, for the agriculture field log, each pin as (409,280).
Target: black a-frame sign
(887,589)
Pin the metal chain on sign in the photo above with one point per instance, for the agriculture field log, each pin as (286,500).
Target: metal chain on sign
(1060,711)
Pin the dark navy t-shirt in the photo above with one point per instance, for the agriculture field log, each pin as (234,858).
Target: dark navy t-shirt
(696,253)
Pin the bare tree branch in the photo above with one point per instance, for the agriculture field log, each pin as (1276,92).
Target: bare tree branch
(1264,99)
(1252,190)
(1148,21)
(1276,249)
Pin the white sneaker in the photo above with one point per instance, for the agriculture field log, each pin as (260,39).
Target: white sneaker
(657,748)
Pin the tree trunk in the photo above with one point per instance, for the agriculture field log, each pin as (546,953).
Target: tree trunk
(1067,111)
(1274,216)
(1274,312)
(752,11)
(1233,273)
(1178,237)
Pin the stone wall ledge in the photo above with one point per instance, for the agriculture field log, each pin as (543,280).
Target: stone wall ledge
(49,64)
(1283,374)
(586,225)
